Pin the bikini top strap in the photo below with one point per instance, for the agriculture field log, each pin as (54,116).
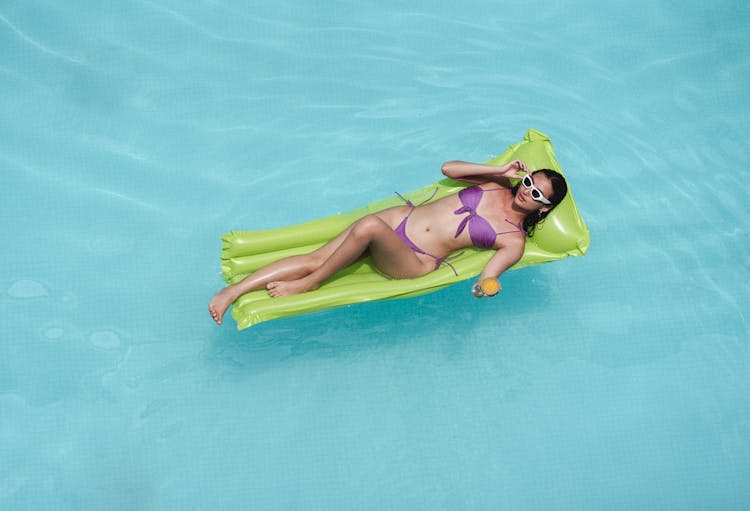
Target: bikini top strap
(518,228)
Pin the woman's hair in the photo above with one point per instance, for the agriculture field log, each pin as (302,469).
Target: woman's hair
(559,190)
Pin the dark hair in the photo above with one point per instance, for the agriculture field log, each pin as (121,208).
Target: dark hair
(559,190)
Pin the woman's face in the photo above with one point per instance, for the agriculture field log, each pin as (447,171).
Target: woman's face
(523,196)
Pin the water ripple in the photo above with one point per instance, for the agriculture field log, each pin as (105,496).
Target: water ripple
(26,288)
(113,146)
(126,198)
(184,20)
(39,46)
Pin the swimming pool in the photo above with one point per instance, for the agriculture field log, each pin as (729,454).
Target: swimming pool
(133,136)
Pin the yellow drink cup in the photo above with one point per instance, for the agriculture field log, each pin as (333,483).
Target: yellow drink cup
(490,286)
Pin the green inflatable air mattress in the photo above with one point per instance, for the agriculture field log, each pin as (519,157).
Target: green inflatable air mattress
(562,234)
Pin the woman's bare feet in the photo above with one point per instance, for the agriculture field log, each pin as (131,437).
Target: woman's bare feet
(220,303)
(290,287)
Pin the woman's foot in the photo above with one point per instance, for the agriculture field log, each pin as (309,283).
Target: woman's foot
(219,304)
(290,287)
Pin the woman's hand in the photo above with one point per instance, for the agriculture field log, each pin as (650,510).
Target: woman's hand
(511,170)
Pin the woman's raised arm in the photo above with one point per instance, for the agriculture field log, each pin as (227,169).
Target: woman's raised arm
(480,173)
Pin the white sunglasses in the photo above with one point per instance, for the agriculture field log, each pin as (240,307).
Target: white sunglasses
(536,194)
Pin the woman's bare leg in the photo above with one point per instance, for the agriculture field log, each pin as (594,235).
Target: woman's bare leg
(289,268)
(389,254)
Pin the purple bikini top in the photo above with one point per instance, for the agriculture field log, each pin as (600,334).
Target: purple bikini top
(480,231)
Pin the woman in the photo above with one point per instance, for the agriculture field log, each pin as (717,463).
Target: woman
(409,241)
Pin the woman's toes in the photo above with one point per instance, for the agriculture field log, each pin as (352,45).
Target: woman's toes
(217,308)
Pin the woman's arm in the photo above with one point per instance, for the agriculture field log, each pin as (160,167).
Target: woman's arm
(480,173)
(508,255)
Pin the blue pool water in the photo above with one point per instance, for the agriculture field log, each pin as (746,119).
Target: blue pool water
(133,135)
